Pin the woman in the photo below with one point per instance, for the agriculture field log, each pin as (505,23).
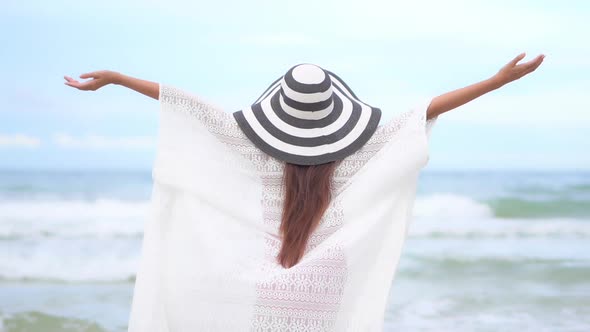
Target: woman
(287,215)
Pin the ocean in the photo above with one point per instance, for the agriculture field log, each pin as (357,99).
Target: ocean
(487,251)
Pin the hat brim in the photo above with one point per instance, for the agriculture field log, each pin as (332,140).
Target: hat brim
(309,142)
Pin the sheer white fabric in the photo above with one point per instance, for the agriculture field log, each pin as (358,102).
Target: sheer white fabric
(209,250)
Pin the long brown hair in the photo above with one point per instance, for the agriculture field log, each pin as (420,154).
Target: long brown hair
(307,196)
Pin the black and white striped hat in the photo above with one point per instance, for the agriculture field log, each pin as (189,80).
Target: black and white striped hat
(308,116)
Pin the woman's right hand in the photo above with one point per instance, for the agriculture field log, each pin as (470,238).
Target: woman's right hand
(99,79)
(514,70)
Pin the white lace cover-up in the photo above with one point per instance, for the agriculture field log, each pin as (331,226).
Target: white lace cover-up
(209,250)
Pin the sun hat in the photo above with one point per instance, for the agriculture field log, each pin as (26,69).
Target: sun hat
(308,116)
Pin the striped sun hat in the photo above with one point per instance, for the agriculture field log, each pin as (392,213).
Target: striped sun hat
(309,116)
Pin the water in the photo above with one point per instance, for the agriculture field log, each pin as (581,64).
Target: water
(487,251)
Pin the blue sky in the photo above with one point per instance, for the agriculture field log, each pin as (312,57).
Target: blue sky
(391,53)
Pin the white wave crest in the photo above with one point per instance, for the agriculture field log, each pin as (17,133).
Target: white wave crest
(100,218)
(446,205)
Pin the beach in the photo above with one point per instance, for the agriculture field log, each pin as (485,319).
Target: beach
(486,251)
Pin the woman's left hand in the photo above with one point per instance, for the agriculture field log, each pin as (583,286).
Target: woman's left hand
(99,79)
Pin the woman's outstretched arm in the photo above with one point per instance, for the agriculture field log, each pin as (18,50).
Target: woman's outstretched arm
(104,77)
(510,72)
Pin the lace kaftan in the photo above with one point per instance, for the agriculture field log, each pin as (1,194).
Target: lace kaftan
(209,250)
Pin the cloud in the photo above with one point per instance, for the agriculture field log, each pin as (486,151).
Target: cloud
(19,140)
(103,142)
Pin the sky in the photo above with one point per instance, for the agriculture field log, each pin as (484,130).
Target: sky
(393,54)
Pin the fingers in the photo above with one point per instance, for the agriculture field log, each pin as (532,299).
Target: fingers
(528,67)
(88,85)
(537,62)
(511,71)
(71,82)
(74,83)
(518,58)
(533,64)
(88,75)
